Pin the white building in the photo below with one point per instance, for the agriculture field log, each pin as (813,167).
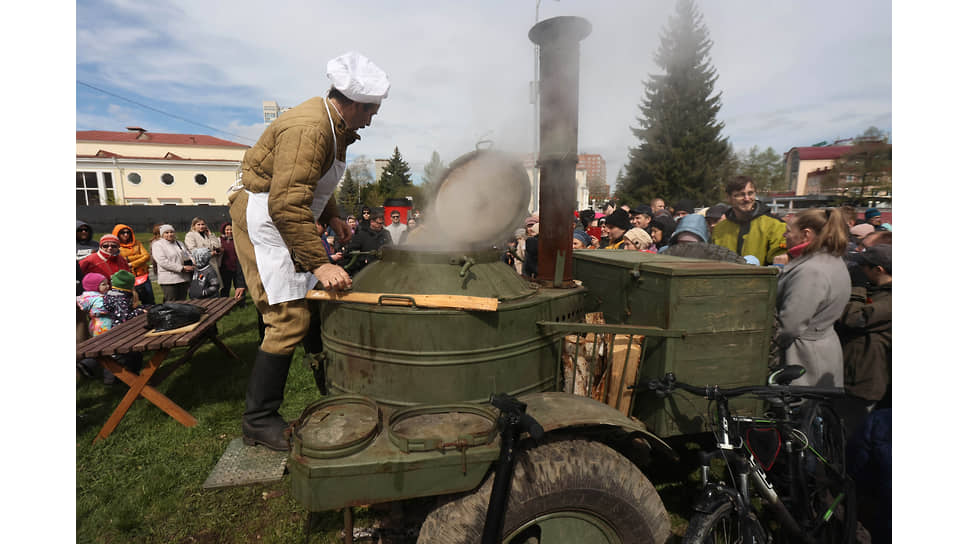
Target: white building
(271,111)
(141,167)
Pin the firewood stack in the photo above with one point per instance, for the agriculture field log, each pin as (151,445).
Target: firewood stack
(601,366)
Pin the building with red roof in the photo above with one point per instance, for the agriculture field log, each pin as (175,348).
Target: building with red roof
(810,170)
(800,161)
(142,167)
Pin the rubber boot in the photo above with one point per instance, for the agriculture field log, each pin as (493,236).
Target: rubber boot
(261,422)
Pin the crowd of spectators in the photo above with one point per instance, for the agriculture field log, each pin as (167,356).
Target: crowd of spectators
(114,277)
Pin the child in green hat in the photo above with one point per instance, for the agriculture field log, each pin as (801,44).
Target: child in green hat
(121,305)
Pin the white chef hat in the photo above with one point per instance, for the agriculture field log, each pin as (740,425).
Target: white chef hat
(358,78)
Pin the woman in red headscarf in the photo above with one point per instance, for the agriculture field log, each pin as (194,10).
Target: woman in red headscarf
(107,259)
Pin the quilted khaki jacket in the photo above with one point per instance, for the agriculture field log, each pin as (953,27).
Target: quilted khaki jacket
(287,161)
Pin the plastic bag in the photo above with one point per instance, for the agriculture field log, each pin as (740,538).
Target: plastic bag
(173,315)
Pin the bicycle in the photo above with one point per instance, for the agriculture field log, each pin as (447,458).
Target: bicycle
(805,488)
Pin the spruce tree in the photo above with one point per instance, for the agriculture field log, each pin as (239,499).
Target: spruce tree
(360,169)
(681,151)
(433,173)
(349,193)
(395,177)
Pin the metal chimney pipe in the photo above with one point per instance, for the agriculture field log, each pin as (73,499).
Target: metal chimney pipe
(557,39)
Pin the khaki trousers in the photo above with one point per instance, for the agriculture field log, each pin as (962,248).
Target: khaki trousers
(286,322)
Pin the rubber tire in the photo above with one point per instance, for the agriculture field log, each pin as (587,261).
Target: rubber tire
(558,476)
(702,250)
(702,527)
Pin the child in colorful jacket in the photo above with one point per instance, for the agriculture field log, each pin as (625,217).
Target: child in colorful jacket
(121,305)
(119,301)
(91,301)
(205,282)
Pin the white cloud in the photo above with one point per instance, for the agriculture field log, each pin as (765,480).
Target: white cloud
(460,70)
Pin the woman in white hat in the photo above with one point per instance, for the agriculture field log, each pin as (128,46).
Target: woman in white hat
(174,265)
(288,180)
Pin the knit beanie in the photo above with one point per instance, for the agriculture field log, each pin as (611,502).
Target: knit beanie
(201,256)
(123,280)
(639,235)
(619,218)
(109,238)
(91,281)
(871,212)
(581,235)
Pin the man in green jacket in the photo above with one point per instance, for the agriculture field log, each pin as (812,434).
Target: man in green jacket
(287,185)
(747,228)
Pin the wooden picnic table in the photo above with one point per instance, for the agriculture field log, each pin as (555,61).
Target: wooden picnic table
(132,337)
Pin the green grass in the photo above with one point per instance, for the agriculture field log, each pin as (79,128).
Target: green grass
(144,482)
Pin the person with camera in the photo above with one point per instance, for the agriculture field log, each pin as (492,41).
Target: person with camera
(174,265)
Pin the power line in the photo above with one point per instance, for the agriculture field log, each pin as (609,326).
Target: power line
(162,112)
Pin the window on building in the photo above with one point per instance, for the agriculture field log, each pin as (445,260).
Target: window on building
(167,178)
(134,178)
(87,194)
(201,179)
(108,183)
(94,188)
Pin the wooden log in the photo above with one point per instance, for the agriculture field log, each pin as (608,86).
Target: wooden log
(624,369)
(450,302)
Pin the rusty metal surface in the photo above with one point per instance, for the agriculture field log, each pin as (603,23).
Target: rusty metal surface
(557,39)
(246,465)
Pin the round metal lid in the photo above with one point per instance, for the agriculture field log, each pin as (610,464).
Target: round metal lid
(337,426)
(483,197)
(442,427)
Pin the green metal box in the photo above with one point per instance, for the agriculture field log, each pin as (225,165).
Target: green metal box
(724,310)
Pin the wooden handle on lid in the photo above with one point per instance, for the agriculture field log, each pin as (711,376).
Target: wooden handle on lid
(450,302)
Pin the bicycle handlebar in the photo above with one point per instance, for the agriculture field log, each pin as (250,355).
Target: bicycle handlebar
(713,392)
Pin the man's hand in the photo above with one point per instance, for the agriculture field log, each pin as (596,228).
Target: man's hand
(239,292)
(333,277)
(342,230)
(783,259)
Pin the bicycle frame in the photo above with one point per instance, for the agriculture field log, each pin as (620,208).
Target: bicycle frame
(744,468)
(731,445)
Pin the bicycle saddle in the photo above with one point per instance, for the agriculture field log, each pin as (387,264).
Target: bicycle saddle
(785,375)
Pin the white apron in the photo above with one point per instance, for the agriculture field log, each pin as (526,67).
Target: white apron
(278,273)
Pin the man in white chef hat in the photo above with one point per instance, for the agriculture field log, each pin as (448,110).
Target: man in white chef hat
(288,180)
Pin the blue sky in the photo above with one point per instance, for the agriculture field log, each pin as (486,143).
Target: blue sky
(791,72)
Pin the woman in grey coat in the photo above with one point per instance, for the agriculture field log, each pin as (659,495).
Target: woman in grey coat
(812,292)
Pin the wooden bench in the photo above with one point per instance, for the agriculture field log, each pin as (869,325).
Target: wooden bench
(132,337)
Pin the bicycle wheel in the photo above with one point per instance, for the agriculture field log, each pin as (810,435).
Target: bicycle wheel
(722,526)
(828,493)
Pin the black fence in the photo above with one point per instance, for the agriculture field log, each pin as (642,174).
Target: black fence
(143,218)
